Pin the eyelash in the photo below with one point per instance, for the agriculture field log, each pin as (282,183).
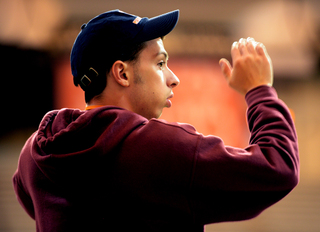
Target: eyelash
(161,64)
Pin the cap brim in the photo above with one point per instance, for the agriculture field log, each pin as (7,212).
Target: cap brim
(158,26)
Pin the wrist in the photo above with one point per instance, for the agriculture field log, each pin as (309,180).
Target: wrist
(259,92)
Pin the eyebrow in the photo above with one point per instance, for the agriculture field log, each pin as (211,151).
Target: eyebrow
(166,55)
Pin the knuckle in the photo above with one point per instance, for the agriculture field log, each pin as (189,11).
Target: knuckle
(245,60)
(248,58)
(237,63)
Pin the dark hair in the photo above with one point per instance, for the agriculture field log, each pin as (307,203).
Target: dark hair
(131,54)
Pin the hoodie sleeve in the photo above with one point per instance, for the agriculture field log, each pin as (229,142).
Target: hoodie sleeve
(231,184)
(18,179)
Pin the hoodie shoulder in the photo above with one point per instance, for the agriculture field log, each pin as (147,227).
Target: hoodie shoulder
(69,130)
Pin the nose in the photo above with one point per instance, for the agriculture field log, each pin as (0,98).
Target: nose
(172,79)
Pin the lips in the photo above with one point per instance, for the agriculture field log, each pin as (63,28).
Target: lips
(169,103)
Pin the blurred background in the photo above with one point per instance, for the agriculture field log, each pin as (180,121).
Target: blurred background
(35,41)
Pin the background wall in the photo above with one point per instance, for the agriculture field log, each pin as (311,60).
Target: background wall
(35,40)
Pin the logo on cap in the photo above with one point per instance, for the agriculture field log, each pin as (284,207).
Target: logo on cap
(137,20)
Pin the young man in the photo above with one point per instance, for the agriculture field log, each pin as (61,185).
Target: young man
(116,167)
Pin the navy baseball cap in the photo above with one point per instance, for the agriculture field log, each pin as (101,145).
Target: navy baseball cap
(106,38)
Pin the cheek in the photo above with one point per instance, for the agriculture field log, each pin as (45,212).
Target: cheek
(152,85)
(158,87)
(158,81)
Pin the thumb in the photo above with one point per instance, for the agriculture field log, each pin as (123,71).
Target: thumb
(225,68)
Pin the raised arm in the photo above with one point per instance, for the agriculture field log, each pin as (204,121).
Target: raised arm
(229,183)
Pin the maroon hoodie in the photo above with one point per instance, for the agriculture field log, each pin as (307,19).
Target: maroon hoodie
(108,169)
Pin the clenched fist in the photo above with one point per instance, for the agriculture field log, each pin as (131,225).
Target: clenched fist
(251,66)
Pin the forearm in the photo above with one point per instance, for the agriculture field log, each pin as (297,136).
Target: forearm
(273,130)
(236,184)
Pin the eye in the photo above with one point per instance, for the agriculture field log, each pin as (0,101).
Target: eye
(161,64)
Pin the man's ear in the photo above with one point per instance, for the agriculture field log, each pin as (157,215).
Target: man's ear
(119,71)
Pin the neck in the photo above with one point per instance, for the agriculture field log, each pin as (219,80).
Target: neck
(114,98)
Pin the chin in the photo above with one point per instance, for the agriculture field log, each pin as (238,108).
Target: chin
(156,116)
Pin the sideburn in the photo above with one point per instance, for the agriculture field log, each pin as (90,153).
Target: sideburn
(137,79)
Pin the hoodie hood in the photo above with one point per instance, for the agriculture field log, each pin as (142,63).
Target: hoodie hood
(71,139)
